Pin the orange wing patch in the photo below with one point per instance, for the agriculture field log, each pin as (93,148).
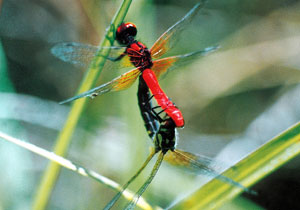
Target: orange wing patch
(161,66)
(168,39)
(179,160)
(120,83)
(161,46)
(125,80)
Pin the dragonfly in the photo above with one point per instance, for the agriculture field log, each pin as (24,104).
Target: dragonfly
(162,132)
(148,63)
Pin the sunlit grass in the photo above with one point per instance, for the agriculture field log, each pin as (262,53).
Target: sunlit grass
(76,168)
(62,143)
(248,171)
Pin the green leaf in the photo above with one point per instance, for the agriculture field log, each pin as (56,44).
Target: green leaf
(248,171)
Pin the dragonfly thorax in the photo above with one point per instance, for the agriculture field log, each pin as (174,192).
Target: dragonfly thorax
(139,55)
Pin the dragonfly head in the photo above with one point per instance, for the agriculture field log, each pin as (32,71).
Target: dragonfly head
(125,32)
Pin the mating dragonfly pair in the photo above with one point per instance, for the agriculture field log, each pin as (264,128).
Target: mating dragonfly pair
(161,129)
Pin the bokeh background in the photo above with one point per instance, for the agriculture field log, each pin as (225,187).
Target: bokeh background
(233,100)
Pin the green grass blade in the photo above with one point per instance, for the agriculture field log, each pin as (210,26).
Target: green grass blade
(248,171)
(64,137)
(76,168)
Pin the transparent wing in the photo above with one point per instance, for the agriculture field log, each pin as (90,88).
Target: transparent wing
(120,83)
(170,37)
(190,161)
(118,195)
(81,54)
(142,189)
(202,165)
(164,65)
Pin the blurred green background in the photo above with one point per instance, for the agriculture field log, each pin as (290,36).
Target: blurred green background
(233,100)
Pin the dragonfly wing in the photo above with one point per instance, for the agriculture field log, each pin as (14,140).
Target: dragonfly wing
(169,38)
(122,82)
(164,65)
(202,165)
(142,189)
(80,54)
(188,160)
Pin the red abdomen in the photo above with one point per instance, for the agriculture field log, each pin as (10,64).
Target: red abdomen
(162,98)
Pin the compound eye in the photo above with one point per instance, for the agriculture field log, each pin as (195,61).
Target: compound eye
(124,31)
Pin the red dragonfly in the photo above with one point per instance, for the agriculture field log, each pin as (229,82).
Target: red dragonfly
(141,57)
(162,131)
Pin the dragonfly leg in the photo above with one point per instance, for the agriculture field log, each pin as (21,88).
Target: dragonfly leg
(117,58)
(157,114)
(151,110)
(147,103)
(150,98)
